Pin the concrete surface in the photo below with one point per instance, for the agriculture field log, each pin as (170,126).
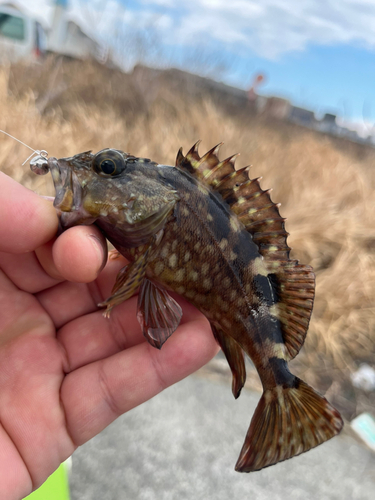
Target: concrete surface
(184,443)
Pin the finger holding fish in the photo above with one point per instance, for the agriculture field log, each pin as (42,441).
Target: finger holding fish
(29,221)
(80,254)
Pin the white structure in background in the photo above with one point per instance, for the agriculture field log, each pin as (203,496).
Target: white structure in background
(67,36)
(23,37)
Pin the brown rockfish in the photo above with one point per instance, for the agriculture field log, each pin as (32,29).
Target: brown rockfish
(208,232)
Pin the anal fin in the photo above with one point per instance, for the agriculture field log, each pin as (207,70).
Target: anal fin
(158,313)
(235,357)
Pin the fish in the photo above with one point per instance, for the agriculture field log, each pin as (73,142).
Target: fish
(208,232)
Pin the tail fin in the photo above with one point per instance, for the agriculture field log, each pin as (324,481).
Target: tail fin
(287,422)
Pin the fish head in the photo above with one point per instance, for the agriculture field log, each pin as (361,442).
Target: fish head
(110,187)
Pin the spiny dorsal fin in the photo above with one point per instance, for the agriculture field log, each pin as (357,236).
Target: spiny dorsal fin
(294,283)
(208,168)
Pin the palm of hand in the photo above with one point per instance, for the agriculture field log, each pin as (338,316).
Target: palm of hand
(66,371)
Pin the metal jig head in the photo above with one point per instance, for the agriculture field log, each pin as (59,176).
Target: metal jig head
(38,158)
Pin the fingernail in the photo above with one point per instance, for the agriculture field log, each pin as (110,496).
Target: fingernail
(102,254)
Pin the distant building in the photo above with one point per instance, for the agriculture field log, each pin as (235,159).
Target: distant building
(350,134)
(302,116)
(273,107)
(329,125)
(329,118)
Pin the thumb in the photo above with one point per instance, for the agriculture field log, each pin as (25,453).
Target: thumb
(27,221)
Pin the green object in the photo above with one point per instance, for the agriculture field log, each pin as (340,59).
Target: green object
(55,488)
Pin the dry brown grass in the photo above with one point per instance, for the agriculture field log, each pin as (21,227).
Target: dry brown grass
(326,188)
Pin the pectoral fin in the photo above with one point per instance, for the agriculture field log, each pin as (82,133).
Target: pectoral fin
(127,282)
(158,313)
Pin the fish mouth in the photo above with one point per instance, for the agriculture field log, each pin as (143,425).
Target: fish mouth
(69,194)
(67,186)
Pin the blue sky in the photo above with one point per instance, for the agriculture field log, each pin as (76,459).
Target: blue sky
(318,53)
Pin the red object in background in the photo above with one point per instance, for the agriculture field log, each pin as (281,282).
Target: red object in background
(258,79)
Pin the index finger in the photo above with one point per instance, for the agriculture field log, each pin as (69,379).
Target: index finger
(27,221)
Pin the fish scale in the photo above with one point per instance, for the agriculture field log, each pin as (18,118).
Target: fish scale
(210,233)
(203,242)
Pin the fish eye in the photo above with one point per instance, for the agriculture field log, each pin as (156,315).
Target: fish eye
(108,163)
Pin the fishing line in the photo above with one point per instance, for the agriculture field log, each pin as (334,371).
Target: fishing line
(38,152)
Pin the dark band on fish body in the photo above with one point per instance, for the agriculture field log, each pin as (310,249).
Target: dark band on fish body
(274,283)
(281,372)
(268,326)
(263,289)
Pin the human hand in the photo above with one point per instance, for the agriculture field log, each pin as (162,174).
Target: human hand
(66,372)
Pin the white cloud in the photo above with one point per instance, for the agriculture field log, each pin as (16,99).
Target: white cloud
(273,27)
(162,3)
(269,28)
